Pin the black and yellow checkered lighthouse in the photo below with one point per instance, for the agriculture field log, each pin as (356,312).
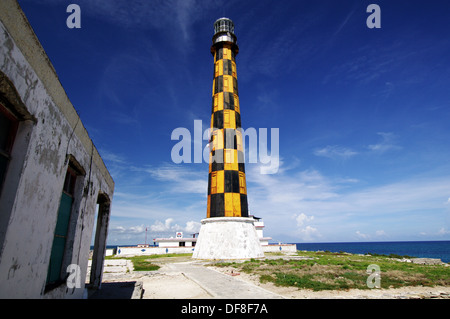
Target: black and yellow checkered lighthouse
(227,191)
(227,232)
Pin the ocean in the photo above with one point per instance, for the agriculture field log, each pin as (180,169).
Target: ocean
(424,249)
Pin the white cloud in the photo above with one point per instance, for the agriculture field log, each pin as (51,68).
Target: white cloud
(162,227)
(184,179)
(112,157)
(361,235)
(192,227)
(306,232)
(388,142)
(302,219)
(337,206)
(309,233)
(335,151)
(128,230)
(126,235)
(380,233)
(342,25)
(137,234)
(169,226)
(296,203)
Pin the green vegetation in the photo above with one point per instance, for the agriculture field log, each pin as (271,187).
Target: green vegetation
(391,255)
(168,255)
(334,271)
(143,263)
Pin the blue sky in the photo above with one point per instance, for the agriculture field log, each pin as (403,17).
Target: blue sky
(363,114)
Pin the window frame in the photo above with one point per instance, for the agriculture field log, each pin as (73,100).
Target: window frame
(5,151)
(74,173)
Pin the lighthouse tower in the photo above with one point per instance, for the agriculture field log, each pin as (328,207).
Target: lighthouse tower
(227,232)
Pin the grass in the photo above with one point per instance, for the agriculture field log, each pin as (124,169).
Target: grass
(168,255)
(143,263)
(341,271)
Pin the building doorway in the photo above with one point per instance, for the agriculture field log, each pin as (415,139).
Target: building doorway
(99,249)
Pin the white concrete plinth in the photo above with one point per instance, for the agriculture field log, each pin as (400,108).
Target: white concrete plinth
(228,238)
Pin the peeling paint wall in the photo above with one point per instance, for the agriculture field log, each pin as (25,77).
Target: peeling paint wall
(31,194)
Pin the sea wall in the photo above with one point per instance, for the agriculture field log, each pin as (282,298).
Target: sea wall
(276,248)
(136,251)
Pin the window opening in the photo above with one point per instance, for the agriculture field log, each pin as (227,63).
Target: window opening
(8,130)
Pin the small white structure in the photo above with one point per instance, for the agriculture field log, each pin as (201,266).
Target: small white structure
(178,241)
(177,245)
(259,226)
(271,248)
(137,251)
(228,238)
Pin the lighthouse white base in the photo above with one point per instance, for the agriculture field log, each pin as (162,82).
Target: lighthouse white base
(228,238)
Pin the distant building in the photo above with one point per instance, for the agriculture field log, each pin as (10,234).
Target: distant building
(259,226)
(52,178)
(180,241)
(182,245)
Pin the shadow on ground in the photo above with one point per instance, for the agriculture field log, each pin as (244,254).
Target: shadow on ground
(117,290)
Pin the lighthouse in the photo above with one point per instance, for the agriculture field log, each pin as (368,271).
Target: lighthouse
(227,232)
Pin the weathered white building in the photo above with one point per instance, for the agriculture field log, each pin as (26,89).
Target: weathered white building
(53,183)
